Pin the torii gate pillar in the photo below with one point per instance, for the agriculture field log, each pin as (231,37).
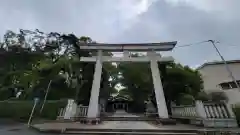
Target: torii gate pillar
(93,108)
(152,57)
(158,88)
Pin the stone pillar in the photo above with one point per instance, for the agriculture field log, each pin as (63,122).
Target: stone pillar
(70,110)
(158,88)
(230,110)
(126,54)
(93,103)
(200,109)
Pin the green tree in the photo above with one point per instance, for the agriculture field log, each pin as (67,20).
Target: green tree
(177,80)
(33,59)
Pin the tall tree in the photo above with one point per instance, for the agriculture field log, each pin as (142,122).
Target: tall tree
(33,59)
(177,80)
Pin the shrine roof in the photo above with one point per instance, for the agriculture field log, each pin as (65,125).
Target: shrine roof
(120,98)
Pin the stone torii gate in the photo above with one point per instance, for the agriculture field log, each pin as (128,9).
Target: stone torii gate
(151,57)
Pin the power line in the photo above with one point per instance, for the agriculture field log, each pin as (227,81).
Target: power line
(191,44)
(197,43)
(225,63)
(226,44)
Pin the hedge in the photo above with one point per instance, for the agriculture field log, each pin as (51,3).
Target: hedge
(20,110)
(236,110)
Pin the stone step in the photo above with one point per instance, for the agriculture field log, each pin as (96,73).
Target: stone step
(118,131)
(132,130)
(127,119)
(160,121)
(126,133)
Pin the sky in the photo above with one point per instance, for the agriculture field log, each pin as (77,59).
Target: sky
(124,21)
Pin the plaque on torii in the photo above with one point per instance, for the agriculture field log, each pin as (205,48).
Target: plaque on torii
(152,57)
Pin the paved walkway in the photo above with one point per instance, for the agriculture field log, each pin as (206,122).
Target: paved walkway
(126,124)
(103,125)
(134,125)
(123,113)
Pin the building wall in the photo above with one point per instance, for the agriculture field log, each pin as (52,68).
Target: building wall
(213,75)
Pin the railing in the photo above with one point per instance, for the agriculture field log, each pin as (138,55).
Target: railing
(82,111)
(61,112)
(216,110)
(184,111)
(229,132)
(209,114)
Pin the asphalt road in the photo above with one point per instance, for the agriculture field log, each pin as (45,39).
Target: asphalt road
(17,129)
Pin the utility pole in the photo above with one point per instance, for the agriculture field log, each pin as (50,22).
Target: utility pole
(225,63)
(45,98)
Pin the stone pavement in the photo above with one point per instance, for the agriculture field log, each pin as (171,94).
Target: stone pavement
(118,125)
(123,113)
(104,124)
(108,124)
(126,124)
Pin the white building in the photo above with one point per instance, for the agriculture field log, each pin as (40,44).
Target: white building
(217,78)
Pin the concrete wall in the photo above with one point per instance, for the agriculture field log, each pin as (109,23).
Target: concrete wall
(213,75)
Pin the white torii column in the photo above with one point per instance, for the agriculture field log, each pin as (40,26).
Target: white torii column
(93,103)
(158,88)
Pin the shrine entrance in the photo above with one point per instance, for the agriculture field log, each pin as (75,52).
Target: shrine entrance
(119,106)
(118,103)
(152,57)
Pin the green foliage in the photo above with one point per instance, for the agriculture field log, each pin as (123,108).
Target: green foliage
(203,96)
(30,59)
(186,99)
(52,108)
(218,96)
(179,79)
(180,82)
(21,110)
(15,109)
(212,96)
(236,110)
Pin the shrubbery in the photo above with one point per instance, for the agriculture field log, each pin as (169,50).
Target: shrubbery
(20,110)
(203,96)
(236,110)
(215,96)
(186,99)
(218,96)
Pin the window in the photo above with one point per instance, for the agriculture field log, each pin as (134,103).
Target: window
(233,85)
(225,86)
(229,85)
(238,81)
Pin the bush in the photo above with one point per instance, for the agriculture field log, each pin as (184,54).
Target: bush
(21,110)
(15,109)
(203,96)
(186,99)
(218,96)
(52,108)
(236,110)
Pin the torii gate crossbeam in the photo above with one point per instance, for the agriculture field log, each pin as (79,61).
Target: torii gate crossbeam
(151,57)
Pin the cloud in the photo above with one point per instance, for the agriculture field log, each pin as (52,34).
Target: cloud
(189,22)
(186,21)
